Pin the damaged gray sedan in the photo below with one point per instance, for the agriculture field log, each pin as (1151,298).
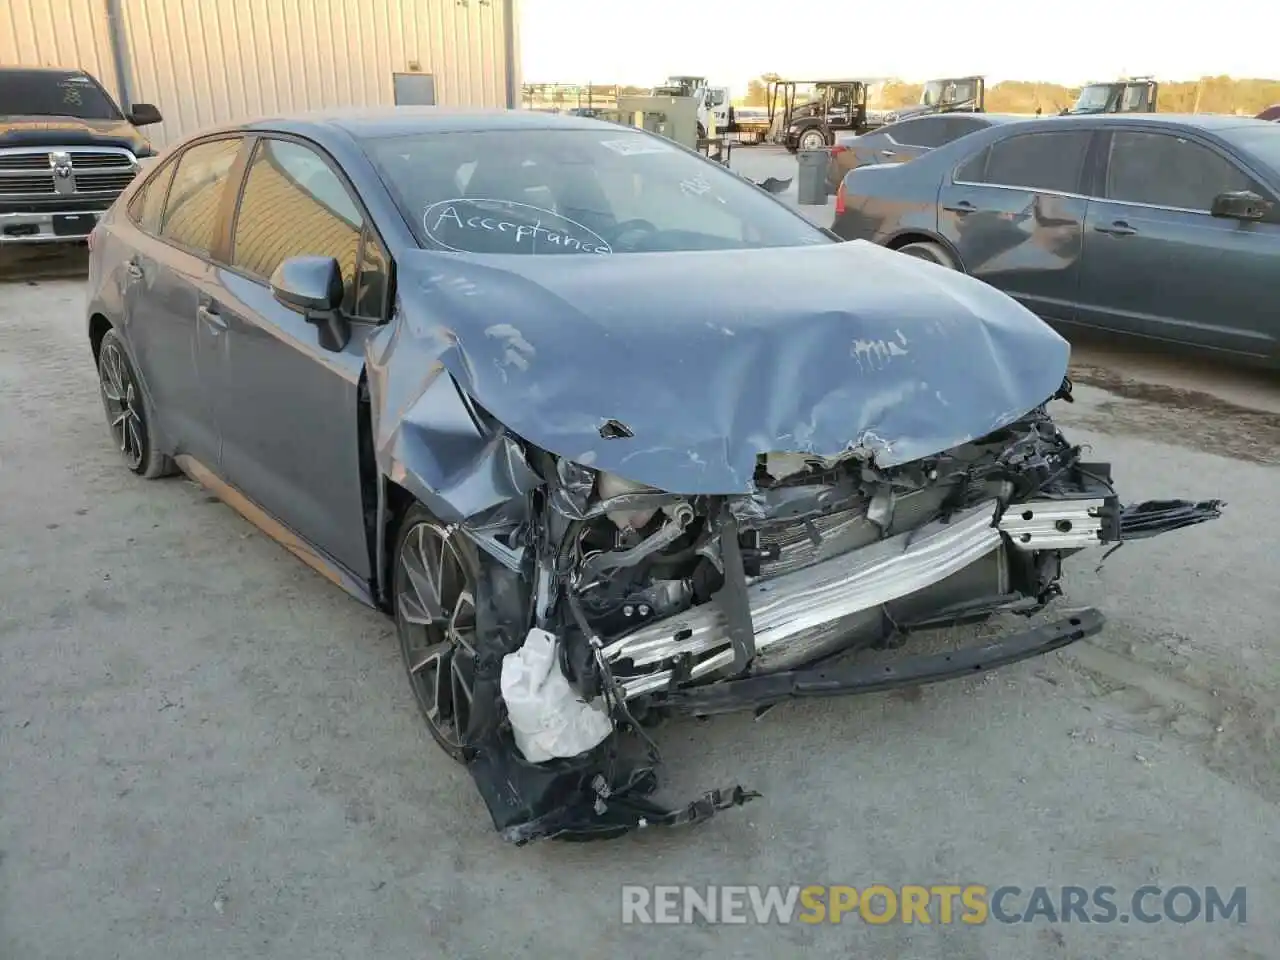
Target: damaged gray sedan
(500,376)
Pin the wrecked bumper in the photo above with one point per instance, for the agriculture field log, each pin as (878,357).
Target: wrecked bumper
(800,616)
(601,795)
(836,681)
(795,615)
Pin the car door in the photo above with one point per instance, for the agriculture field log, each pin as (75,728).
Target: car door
(1015,213)
(286,407)
(168,266)
(1158,264)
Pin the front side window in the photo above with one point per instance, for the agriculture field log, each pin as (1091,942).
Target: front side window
(1134,99)
(293,205)
(195,196)
(1165,170)
(601,191)
(964,91)
(1051,162)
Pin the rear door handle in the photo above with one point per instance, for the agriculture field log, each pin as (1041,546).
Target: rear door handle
(964,206)
(211,318)
(887,153)
(1117,229)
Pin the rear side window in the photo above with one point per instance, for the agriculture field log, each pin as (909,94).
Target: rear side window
(925,132)
(974,169)
(957,126)
(1050,161)
(195,196)
(1169,171)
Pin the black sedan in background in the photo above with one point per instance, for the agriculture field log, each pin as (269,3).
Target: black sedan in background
(1159,226)
(905,140)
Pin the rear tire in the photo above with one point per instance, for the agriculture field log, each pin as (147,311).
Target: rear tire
(128,415)
(934,253)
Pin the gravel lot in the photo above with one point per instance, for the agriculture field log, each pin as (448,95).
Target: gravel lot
(211,752)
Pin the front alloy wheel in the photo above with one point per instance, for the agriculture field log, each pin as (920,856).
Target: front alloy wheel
(434,583)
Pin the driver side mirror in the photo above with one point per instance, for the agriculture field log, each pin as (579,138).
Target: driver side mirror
(1239,205)
(312,286)
(144,114)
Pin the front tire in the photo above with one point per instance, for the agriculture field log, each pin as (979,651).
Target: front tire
(434,588)
(128,418)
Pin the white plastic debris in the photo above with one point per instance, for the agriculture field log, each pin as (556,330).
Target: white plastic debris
(548,718)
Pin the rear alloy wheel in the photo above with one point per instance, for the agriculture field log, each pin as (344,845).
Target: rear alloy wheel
(923,250)
(126,410)
(434,583)
(813,139)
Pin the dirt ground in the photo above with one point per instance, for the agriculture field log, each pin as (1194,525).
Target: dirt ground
(209,751)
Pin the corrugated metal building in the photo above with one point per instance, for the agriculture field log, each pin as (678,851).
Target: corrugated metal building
(204,62)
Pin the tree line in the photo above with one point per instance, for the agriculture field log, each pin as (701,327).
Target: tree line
(1207,95)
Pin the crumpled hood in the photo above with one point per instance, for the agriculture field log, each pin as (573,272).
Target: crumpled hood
(711,358)
(39,131)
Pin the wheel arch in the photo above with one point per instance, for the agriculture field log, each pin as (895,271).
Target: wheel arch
(99,325)
(899,240)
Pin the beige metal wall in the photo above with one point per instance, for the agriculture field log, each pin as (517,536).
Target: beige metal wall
(206,62)
(58,33)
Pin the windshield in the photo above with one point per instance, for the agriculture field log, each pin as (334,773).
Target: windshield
(1093,98)
(597,191)
(50,93)
(1261,142)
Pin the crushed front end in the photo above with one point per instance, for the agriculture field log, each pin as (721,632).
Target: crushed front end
(658,603)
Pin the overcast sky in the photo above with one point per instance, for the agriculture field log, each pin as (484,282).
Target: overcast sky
(730,41)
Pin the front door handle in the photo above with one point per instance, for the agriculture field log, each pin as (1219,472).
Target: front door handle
(1117,229)
(211,318)
(964,206)
(887,153)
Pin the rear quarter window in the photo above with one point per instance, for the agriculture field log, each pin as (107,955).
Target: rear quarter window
(146,208)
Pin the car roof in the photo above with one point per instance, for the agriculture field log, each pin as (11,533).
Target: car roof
(364,122)
(1209,122)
